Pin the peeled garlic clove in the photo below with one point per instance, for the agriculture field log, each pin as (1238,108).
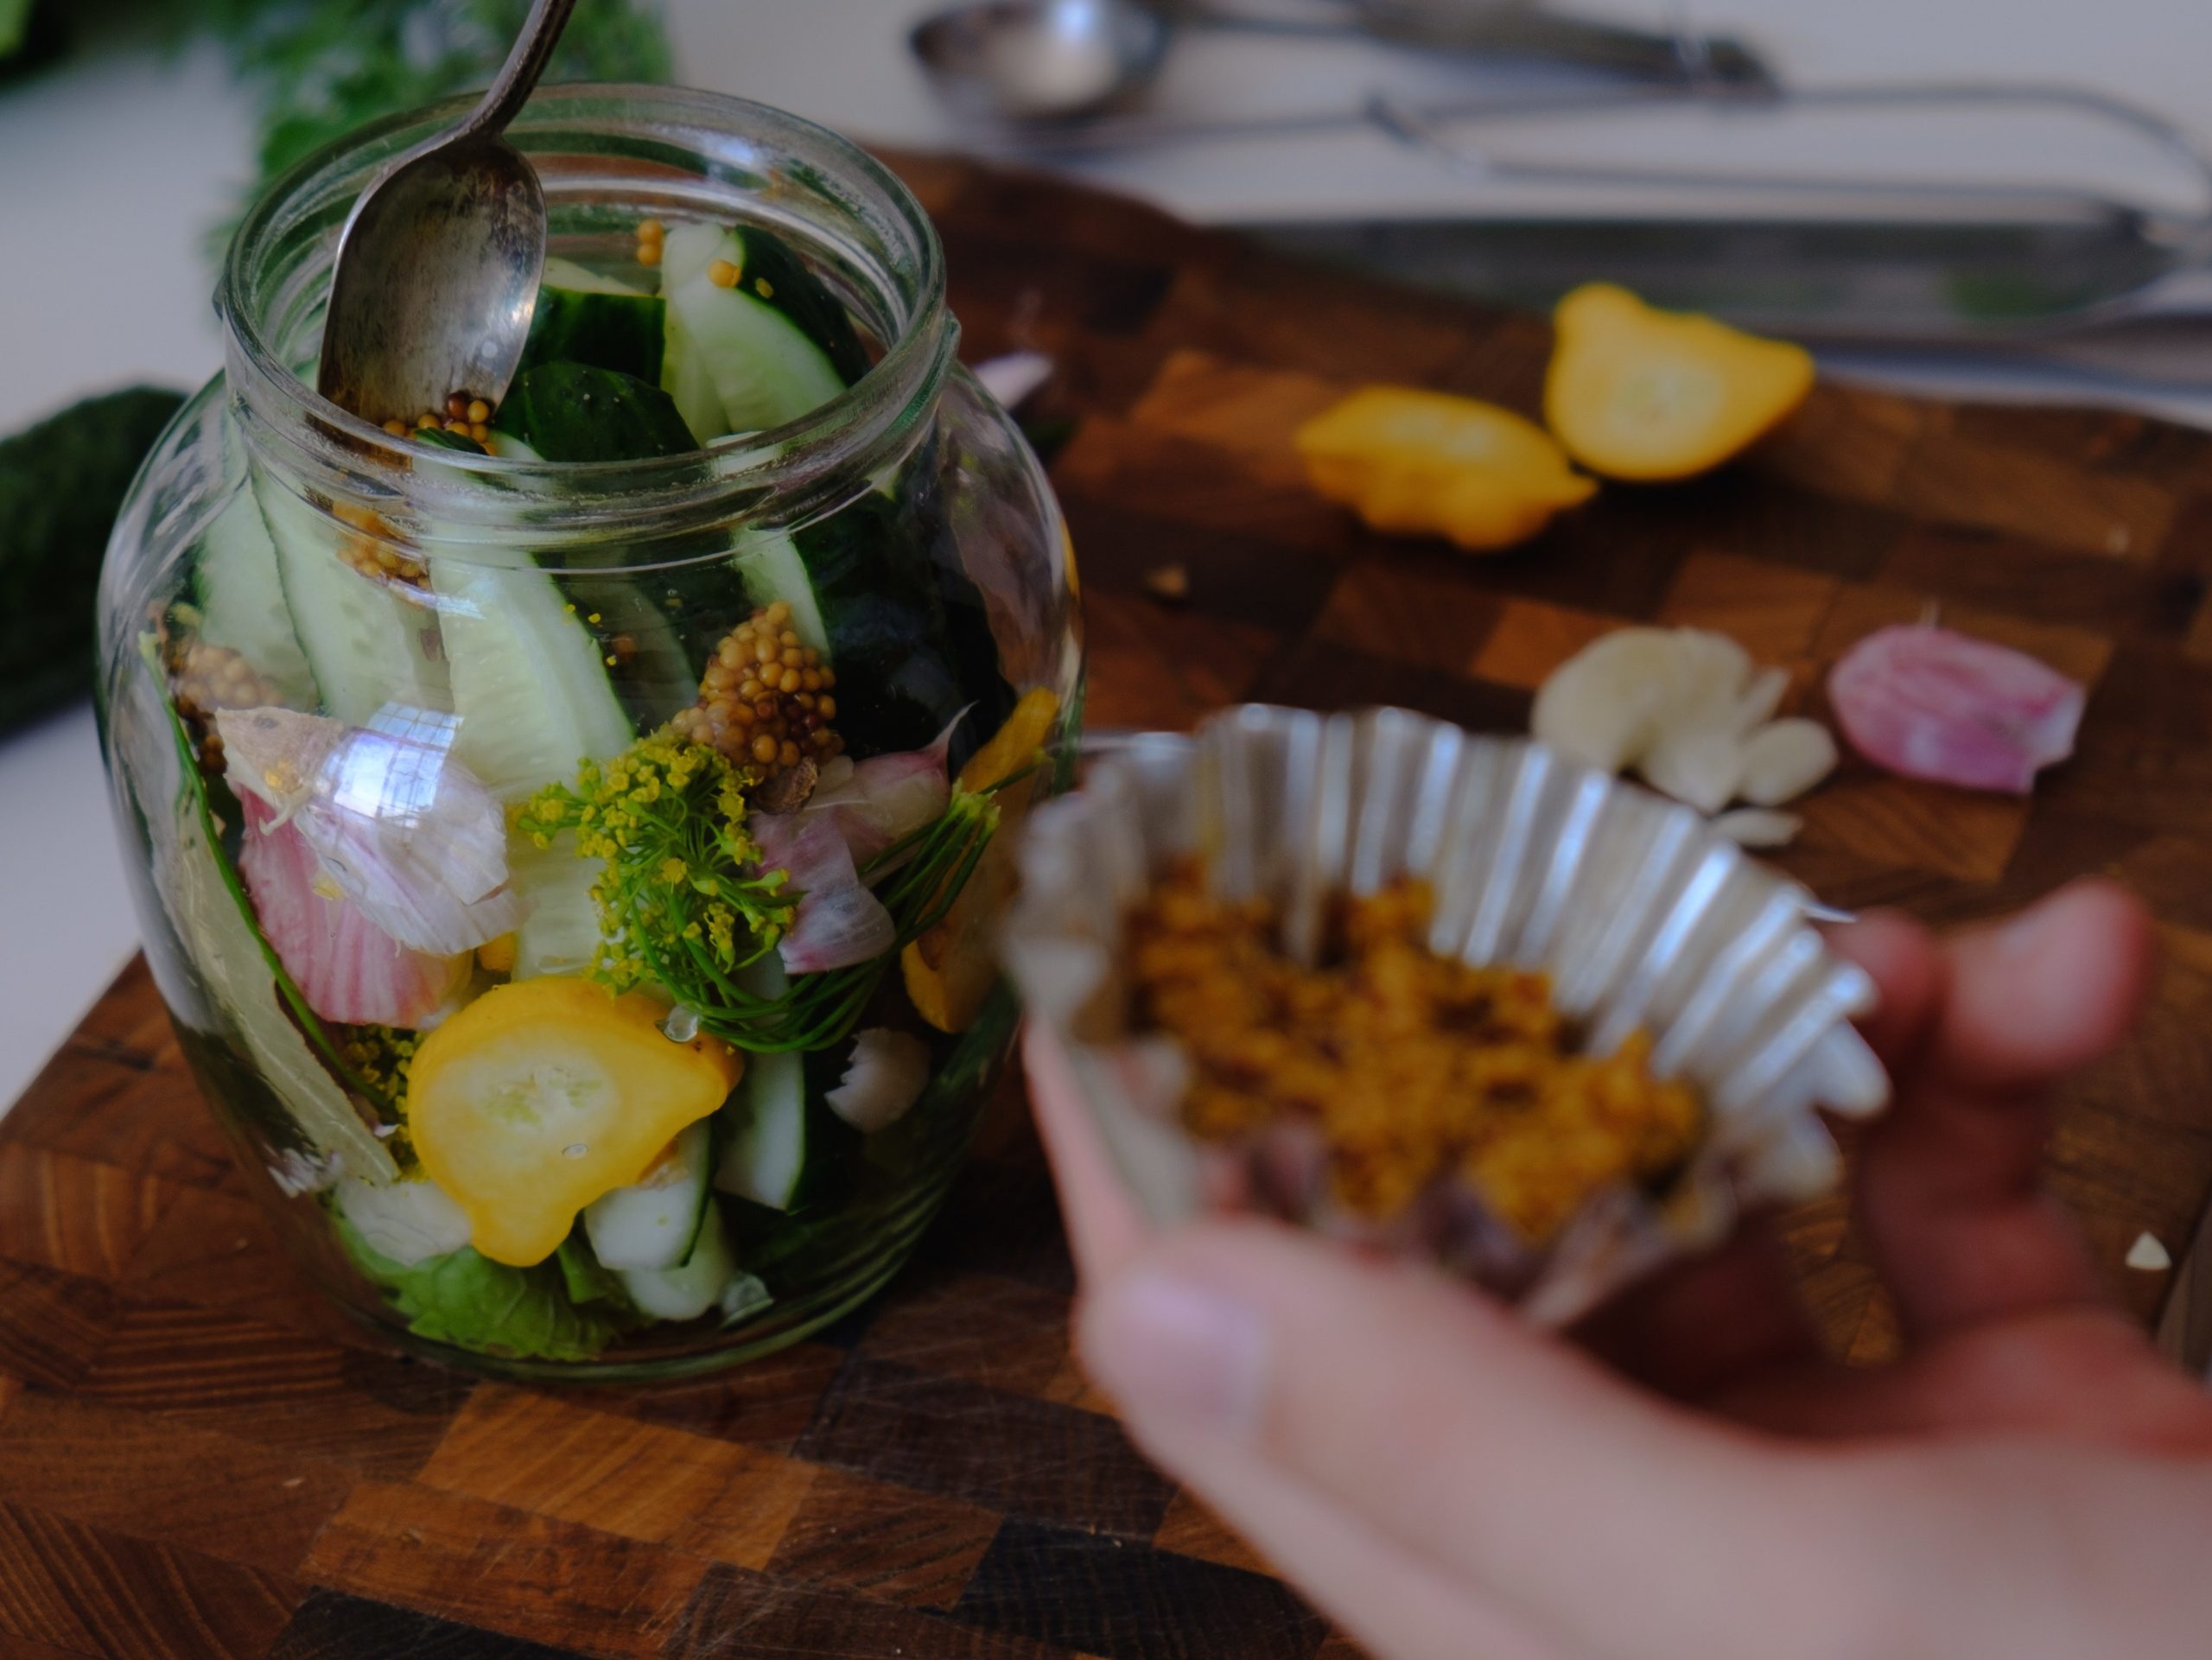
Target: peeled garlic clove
(1605,705)
(1700,767)
(1713,672)
(1784,759)
(1760,700)
(1759,827)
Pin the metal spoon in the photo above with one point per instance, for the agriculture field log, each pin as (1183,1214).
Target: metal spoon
(1048,60)
(438,267)
(1040,59)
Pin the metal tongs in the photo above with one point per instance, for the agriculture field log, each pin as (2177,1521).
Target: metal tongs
(1822,254)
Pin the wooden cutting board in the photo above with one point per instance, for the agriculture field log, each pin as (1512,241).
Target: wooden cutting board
(196,1458)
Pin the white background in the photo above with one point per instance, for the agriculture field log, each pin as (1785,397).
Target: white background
(112,170)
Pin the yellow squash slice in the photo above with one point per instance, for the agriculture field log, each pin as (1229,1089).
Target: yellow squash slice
(1645,395)
(543,1094)
(1415,462)
(950,970)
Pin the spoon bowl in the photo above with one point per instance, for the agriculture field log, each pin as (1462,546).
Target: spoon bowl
(438,266)
(1028,60)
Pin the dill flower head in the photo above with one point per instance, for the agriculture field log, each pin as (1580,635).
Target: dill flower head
(681,901)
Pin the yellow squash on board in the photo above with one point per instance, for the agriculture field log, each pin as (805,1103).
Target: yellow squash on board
(1648,396)
(1424,463)
(543,1094)
(950,970)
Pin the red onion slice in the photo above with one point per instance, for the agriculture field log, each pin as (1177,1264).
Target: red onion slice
(1930,703)
(346,967)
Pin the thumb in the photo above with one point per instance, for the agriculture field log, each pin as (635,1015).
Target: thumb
(1602,1519)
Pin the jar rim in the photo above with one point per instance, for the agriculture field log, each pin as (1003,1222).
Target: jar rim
(320,438)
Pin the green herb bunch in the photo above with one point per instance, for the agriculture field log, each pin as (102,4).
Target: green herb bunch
(318,68)
(685,906)
(681,890)
(322,67)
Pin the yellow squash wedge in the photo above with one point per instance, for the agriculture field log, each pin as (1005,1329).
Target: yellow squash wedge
(950,970)
(543,1094)
(1424,463)
(1648,396)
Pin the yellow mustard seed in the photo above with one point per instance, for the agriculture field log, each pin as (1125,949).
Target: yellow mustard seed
(764,288)
(722,274)
(479,411)
(649,253)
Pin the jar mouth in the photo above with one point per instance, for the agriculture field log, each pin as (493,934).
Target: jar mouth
(603,150)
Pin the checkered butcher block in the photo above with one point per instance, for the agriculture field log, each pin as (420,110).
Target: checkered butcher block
(197,1458)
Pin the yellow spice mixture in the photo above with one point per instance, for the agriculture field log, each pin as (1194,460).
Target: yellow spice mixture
(1413,1066)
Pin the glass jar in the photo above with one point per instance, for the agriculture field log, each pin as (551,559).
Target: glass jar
(365,700)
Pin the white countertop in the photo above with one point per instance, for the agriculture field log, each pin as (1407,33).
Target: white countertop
(117,168)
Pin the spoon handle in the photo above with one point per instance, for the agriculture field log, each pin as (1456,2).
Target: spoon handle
(526,62)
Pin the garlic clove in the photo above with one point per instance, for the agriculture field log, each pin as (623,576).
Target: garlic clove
(1701,767)
(1605,705)
(1758,827)
(1784,759)
(1713,672)
(1760,700)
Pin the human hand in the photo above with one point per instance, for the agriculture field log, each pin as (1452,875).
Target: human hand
(1688,1476)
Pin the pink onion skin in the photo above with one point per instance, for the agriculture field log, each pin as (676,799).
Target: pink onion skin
(347,968)
(837,922)
(1931,703)
(885,798)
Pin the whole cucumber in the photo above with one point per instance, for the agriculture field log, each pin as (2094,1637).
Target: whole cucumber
(61,484)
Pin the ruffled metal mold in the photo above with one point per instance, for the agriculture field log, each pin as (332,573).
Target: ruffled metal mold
(1641,915)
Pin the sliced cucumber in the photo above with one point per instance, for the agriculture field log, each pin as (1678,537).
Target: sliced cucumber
(765,1152)
(561,273)
(769,565)
(764,366)
(241,600)
(654,1223)
(439,438)
(560,926)
(369,641)
(773,273)
(508,447)
(408,1221)
(579,412)
(782,1146)
(690,1290)
(530,681)
(582,317)
(687,250)
(683,377)
(764,1142)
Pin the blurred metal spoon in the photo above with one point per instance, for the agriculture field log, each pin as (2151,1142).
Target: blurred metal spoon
(1040,59)
(438,266)
(1046,60)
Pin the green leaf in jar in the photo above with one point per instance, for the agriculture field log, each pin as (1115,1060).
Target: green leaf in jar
(474,1303)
